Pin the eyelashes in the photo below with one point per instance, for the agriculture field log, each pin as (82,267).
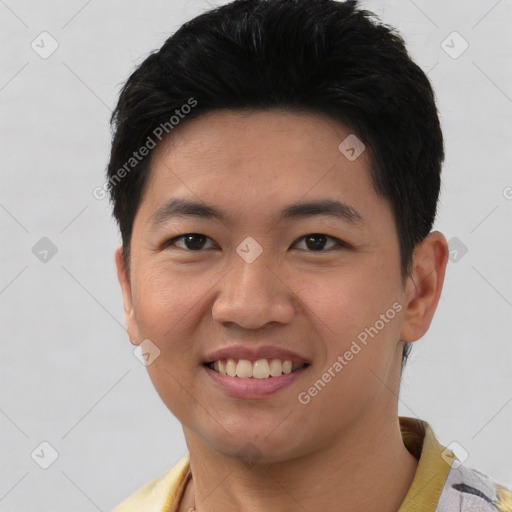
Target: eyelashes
(188,237)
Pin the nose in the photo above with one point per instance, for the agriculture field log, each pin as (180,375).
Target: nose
(253,295)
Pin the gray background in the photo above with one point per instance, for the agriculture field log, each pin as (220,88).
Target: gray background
(68,373)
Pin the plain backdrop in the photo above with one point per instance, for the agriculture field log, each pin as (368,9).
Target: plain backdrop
(69,378)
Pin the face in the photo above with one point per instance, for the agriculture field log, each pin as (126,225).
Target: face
(324,287)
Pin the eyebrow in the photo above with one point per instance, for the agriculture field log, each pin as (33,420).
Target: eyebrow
(182,208)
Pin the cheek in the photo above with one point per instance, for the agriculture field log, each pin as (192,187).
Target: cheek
(167,305)
(164,299)
(357,315)
(342,303)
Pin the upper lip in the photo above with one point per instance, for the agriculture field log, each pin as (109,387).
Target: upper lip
(254,353)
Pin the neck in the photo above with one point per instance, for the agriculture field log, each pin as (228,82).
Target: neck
(367,468)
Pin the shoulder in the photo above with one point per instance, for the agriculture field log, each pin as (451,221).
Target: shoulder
(467,489)
(160,494)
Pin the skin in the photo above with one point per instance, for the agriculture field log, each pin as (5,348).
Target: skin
(345,445)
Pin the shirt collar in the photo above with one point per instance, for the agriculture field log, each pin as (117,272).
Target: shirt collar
(164,493)
(433,466)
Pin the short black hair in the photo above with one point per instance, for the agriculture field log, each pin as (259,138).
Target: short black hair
(320,56)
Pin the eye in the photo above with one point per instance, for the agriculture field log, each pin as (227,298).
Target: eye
(316,242)
(192,241)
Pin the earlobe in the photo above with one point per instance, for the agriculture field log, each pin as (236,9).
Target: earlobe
(126,289)
(424,286)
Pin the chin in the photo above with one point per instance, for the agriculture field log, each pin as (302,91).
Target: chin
(255,448)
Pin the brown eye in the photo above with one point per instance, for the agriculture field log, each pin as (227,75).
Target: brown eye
(191,241)
(315,242)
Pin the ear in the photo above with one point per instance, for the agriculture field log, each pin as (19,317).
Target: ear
(129,314)
(424,285)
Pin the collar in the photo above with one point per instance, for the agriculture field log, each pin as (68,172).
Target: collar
(164,493)
(433,467)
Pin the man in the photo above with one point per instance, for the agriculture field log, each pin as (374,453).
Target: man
(275,172)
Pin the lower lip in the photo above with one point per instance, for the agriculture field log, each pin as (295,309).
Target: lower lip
(254,388)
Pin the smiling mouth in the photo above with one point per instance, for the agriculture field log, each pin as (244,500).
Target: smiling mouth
(259,369)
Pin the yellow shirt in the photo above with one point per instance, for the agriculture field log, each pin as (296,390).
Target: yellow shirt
(441,483)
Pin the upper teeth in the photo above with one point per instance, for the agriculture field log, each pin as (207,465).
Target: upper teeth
(260,369)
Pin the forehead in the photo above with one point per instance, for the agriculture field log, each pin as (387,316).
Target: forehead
(255,136)
(252,162)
